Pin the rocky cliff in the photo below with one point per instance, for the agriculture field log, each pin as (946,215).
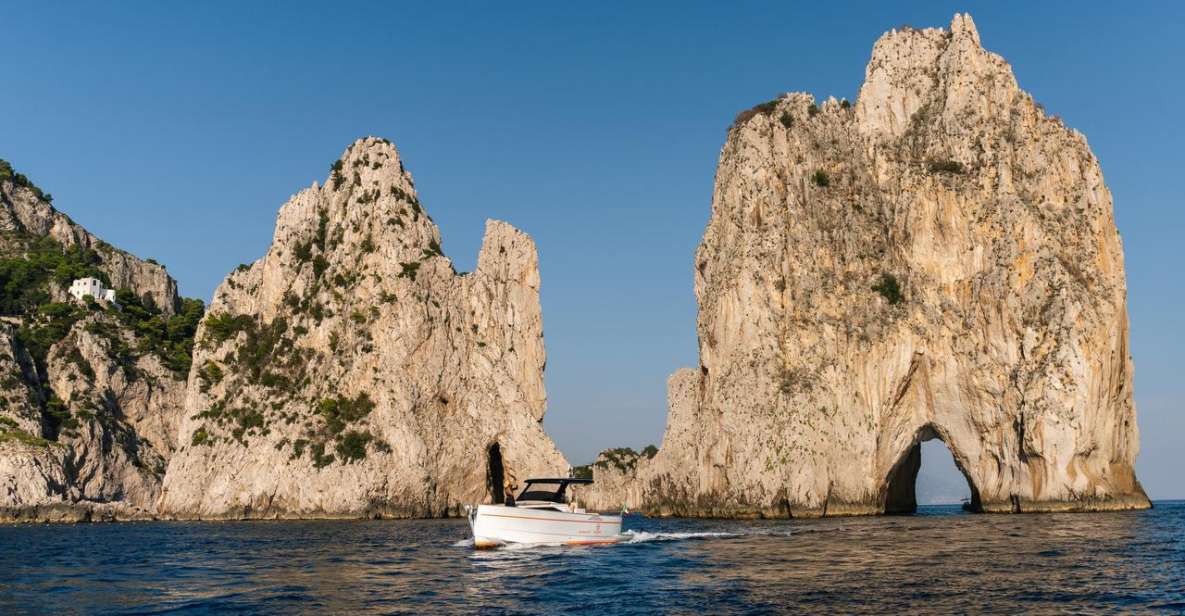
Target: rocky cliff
(91,393)
(351,372)
(939,260)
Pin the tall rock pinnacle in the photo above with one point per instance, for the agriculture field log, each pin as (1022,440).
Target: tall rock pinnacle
(352,372)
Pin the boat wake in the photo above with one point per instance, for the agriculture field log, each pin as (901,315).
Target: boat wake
(641,536)
(626,537)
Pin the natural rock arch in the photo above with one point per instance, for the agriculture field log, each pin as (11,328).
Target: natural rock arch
(899,490)
(939,259)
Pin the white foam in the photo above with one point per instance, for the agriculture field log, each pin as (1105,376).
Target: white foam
(629,536)
(634,536)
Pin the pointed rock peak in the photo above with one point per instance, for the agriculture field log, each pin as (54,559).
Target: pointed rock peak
(962,25)
(503,245)
(370,161)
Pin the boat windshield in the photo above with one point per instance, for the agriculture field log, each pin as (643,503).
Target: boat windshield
(545,491)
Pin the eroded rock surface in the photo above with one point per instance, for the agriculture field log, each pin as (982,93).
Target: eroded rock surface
(89,410)
(351,372)
(939,260)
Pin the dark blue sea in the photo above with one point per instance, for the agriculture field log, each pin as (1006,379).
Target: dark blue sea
(941,560)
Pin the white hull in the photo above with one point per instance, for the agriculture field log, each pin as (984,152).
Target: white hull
(494,525)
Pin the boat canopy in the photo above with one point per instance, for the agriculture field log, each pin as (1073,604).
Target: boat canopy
(548,490)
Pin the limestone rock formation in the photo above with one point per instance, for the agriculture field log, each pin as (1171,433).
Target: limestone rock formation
(616,482)
(351,372)
(90,400)
(938,261)
(23,212)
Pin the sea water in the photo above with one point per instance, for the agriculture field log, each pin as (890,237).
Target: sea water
(941,560)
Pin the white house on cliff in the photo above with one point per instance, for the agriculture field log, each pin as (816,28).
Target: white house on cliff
(93,287)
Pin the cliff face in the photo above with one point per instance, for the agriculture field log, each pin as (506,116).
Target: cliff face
(938,261)
(24,213)
(91,402)
(351,372)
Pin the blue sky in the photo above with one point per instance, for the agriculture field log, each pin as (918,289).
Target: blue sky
(177,130)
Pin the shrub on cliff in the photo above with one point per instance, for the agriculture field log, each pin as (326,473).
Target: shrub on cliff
(821,179)
(352,446)
(953,167)
(10,174)
(889,288)
(24,279)
(170,338)
(223,326)
(765,108)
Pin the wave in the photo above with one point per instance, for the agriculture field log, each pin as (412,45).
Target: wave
(626,537)
(641,536)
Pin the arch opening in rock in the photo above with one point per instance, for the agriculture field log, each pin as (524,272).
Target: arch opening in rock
(495,474)
(901,493)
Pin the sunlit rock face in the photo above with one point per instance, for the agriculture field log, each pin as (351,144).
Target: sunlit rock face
(89,420)
(939,260)
(351,372)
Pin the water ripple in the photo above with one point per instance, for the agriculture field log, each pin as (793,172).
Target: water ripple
(943,561)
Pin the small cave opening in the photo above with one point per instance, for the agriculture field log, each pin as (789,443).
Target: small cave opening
(495,474)
(941,481)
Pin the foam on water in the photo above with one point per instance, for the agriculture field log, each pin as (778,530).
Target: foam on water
(626,537)
(635,536)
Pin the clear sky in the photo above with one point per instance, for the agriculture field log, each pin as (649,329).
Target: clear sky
(176,130)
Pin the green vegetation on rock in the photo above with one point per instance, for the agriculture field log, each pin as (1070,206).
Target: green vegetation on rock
(952,167)
(25,278)
(888,287)
(7,173)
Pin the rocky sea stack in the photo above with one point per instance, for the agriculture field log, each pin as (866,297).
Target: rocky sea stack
(351,372)
(939,260)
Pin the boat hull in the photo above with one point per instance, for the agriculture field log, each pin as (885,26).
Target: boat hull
(495,525)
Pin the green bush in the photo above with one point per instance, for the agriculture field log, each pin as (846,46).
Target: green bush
(820,178)
(351,447)
(222,326)
(209,374)
(336,175)
(320,459)
(168,337)
(787,120)
(303,251)
(339,412)
(765,108)
(409,270)
(322,230)
(889,288)
(10,174)
(201,437)
(624,458)
(45,326)
(24,279)
(953,167)
(320,264)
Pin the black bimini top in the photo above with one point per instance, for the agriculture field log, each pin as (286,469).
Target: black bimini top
(539,490)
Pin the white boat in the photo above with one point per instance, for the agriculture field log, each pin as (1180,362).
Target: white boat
(542,514)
